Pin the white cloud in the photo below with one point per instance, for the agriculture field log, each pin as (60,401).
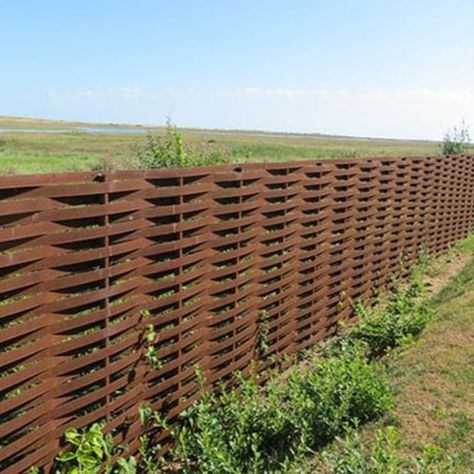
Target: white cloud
(96,94)
(425,95)
(130,92)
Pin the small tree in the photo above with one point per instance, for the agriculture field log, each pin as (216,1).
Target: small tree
(456,142)
(171,151)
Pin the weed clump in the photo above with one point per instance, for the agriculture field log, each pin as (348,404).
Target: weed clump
(397,322)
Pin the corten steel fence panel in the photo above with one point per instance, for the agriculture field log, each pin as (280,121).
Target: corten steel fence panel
(233,276)
(231,267)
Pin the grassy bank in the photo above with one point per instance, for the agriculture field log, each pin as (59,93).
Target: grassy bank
(23,152)
(434,381)
(433,384)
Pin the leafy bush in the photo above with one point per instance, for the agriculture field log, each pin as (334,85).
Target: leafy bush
(350,456)
(339,391)
(236,432)
(171,151)
(258,431)
(398,321)
(457,142)
(89,449)
(91,452)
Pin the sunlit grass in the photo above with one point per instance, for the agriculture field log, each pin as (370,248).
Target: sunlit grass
(72,151)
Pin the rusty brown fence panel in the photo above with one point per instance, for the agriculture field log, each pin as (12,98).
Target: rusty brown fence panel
(231,265)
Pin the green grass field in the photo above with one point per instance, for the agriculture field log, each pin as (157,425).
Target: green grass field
(432,380)
(28,152)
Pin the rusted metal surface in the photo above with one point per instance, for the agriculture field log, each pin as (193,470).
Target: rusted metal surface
(221,257)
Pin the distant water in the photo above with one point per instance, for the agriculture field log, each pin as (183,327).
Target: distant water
(133,131)
(130,131)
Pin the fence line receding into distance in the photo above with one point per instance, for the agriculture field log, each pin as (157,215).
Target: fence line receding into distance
(220,257)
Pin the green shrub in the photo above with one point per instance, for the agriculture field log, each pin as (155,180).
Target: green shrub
(236,432)
(171,151)
(456,142)
(397,322)
(91,452)
(261,431)
(89,449)
(338,392)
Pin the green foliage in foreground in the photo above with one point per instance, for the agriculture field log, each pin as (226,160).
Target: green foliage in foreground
(252,431)
(351,456)
(400,320)
(272,430)
(91,453)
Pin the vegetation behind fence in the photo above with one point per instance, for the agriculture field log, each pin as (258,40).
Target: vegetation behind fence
(114,285)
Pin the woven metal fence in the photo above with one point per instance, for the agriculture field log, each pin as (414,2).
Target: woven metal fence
(221,258)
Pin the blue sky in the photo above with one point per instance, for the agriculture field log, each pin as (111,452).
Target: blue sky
(396,68)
